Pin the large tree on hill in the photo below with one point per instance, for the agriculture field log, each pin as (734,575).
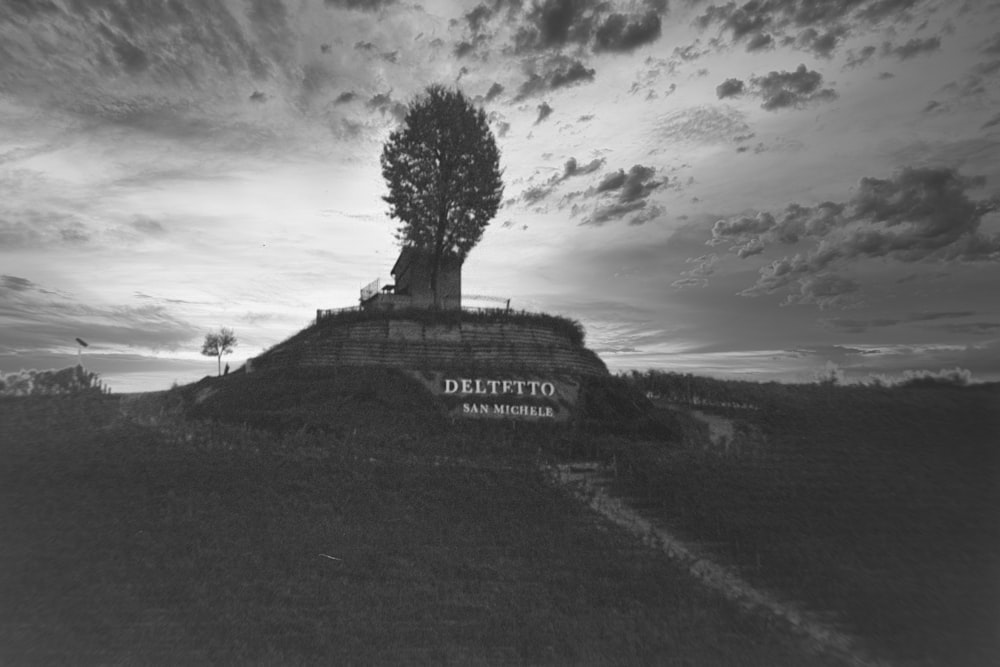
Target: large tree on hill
(442,167)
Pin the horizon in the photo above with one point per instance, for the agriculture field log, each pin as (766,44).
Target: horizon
(708,189)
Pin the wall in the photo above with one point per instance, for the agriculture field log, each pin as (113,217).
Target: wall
(416,346)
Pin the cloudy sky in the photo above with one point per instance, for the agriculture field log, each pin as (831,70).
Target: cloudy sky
(736,190)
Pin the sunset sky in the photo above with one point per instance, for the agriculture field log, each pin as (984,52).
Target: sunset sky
(749,191)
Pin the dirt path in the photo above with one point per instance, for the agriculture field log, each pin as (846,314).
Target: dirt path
(590,483)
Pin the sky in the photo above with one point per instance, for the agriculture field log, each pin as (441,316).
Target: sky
(753,191)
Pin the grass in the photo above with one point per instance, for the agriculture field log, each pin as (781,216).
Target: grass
(189,527)
(134,535)
(876,504)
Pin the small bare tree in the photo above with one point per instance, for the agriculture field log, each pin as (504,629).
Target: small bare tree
(218,344)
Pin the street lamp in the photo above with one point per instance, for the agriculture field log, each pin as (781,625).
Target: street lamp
(81,343)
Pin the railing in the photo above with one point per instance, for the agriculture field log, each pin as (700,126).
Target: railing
(322,313)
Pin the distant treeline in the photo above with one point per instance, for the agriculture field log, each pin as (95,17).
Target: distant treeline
(688,389)
(65,381)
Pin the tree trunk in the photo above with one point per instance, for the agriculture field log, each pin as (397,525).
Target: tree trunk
(218,358)
(438,252)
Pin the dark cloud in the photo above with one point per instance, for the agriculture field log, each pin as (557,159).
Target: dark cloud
(690,52)
(822,45)
(257,96)
(554,23)
(992,46)
(544,111)
(573,74)
(147,226)
(16,284)
(558,72)
(730,88)
(992,122)
(572,168)
(463,49)
(912,48)
(760,42)
(345,97)
(557,24)
(495,90)
(478,17)
(612,212)
(611,181)
(814,25)
(384,104)
(619,33)
(848,325)
(631,190)
(859,58)
(877,10)
(360,5)
(918,214)
(782,90)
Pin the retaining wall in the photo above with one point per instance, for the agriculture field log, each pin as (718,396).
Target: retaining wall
(417,346)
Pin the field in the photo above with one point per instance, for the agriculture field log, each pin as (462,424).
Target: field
(878,506)
(344,520)
(136,536)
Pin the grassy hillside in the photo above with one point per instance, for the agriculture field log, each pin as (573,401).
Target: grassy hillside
(340,517)
(134,535)
(876,504)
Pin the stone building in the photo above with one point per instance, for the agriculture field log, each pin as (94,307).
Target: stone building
(412,283)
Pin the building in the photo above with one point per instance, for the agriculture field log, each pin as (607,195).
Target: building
(411,287)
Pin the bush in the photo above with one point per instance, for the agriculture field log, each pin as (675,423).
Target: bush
(66,381)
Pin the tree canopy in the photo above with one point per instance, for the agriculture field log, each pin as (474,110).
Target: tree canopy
(442,168)
(218,344)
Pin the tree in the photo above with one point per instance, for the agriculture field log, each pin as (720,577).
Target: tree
(218,344)
(442,168)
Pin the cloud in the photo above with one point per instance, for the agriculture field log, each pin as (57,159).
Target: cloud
(384,104)
(860,57)
(361,5)
(818,27)
(619,33)
(992,45)
(559,72)
(494,92)
(822,45)
(912,48)
(630,191)
(847,325)
(571,169)
(760,42)
(730,88)
(992,122)
(554,23)
(33,317)
(918,214)
(782,90)
(544,111)
(707,124)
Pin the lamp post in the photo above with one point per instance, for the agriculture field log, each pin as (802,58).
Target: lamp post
(81,343)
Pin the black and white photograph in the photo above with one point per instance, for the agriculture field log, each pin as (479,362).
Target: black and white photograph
(500,332)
